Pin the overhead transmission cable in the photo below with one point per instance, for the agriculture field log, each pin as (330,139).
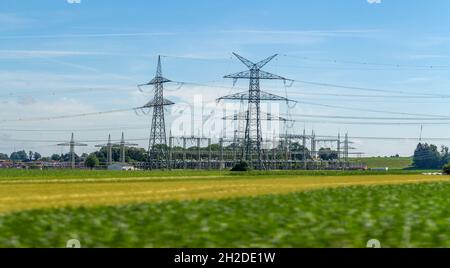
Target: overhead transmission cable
(66,116)
(368,63)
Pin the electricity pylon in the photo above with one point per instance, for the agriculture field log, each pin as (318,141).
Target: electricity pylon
(158,139)
(253,117)
(72,144)
(109,147)
(123,146)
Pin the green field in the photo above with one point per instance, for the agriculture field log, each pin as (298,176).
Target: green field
(382,162)
(223,209)
(19,174)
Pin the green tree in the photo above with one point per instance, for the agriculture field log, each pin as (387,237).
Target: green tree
(131,154)
(427,156)
(4,156)
(19,156)
(326,154)
(446,169)
(56,157)
(299,151)
(216,147)
(242,166)
(67,158)
(92,161)
(37,156)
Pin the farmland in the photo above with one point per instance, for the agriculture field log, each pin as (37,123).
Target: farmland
(389,162)
(400,216)
(222,209)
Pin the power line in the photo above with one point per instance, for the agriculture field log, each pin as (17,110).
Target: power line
(371,96)
(406,139)
(390,138)
(60,91)
(380,66)
(371,118)
(415,95)
(367,63)
(72,130)
(66,116)
(370,89)
(374,123)
(372,110)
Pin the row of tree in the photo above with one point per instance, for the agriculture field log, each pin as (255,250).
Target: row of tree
(22,156)
(429,156)
(141,155)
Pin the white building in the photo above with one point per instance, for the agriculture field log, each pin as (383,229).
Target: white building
(121,167)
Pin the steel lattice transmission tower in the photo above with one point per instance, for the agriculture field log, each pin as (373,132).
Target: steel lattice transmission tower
(158,139)
(253,117)
(72,144)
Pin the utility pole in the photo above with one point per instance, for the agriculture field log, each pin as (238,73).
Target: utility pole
(108,146)
(158,139)
(339,147)
(123,148)
(170,150)
(346,148)
(253,132)
(304,149)
(235,145)
(72,144)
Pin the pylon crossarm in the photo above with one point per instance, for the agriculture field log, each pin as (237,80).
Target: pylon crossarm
(131,144)
(293,136)
(153,103)
(270,76)
(262,75)
(124,144)
(237,96)
(263,63)
(265,117)
(264,96)
(158,80)
(245,61)
(240,75)
(80,144)
(63,144)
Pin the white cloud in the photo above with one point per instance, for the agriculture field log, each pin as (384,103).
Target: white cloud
(374,1)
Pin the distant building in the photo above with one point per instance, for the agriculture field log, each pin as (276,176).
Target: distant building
(6,164)
(121,167)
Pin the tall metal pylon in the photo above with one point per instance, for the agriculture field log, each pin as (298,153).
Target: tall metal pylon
(108,146)
(72,144)
(123,147)
(253,132)
(158,140)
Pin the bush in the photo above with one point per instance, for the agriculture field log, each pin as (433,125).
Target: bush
(241,167)
(446,169)
(92,161)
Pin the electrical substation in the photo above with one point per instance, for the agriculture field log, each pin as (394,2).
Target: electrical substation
(248,141)
(293,149)
(289,151)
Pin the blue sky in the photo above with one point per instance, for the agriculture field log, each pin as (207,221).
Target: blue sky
(58,58)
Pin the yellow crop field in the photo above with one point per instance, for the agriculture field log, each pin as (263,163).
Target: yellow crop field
(17,195)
